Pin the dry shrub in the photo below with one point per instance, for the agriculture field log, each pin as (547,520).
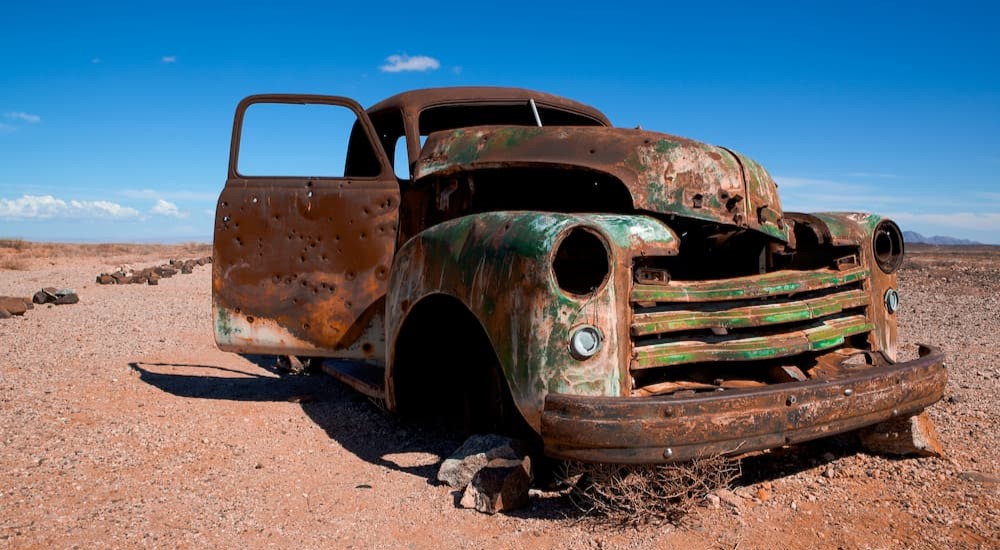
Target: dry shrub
(16,244)
(12,263)
(634,495)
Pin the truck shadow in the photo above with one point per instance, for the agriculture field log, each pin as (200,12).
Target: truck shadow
(414,446)
(347,417)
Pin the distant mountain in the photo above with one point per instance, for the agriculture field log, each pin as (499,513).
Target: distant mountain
(914,237)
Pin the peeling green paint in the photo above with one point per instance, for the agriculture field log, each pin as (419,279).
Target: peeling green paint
(769,284)
(826,335)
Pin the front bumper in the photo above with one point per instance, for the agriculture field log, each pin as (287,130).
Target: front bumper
(644,430)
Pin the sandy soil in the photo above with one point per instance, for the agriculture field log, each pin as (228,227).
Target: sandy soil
(122,425)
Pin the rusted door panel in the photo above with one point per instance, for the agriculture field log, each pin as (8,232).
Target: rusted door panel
(301,264)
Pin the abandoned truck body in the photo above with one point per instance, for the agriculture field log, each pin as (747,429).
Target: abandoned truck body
(632,296)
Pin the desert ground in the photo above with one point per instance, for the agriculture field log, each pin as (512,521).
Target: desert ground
(122,425)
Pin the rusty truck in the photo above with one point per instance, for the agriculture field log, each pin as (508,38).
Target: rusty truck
(507,256)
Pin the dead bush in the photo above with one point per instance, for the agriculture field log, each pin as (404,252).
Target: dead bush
(12,263)
(634,495)
(16,244)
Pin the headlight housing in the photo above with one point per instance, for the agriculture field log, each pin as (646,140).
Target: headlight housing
(887,246)
(581,264)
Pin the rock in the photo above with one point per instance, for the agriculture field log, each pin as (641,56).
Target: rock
(712,501)
(477,451)
(913,435)
(730,498)
(43,297)
(979,477)
(66,296)
(105,279)
(120,277)
(153,279)
(4,314)
(763,495)
(187,269)
(501,485)
(13,305)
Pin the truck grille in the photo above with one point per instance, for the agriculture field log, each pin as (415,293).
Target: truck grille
(773,315)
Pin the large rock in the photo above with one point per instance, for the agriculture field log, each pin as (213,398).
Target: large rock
(13,305)
(502,485)
(912,435)
(477,451)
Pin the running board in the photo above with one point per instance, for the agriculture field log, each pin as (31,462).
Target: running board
(363,377)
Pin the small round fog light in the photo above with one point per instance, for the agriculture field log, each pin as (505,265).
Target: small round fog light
(891,300)
(585,342)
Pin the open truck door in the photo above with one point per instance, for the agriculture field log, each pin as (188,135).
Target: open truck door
(304,235)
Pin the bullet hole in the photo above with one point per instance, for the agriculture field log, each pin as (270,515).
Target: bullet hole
(309,184)
(304,283)
(238,241)
(381,272)
(322,257)
(238,311)
(223,204)
(225,219)
(309,194)
(250,319)
(276,279)
(367,212)
(367,348)
(305,326)
(254,200)
(302,259)
(362,235)
(350,275)
(592,151)
(696,201)
(277,217)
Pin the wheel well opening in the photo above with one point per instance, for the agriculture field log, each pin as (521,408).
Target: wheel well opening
(445,371)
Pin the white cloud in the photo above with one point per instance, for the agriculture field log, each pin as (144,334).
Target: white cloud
(164,208)
(23,117)
(46,207)
(169,59)
(177,195)
(400,63)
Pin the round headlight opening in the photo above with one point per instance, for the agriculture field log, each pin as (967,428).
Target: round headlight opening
(887,246)
(581,262)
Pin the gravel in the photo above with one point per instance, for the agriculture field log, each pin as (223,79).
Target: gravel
(122,425)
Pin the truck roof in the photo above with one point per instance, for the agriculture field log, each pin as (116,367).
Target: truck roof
(415,101)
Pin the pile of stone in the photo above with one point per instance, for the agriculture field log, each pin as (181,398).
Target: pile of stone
(126,274)
(15,305)
(493,472)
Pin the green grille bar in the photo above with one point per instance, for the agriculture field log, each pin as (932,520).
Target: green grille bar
(757,315)
(825,335)
(777,283)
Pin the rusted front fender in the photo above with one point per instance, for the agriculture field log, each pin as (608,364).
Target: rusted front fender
(642,430)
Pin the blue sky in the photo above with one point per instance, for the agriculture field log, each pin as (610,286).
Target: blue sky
(115,117)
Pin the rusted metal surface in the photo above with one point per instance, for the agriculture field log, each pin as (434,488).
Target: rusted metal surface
(664,174)
(300,264)
(665,429)
(712,320)
(499,265)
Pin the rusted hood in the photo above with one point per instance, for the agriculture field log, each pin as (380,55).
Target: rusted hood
(665,174)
